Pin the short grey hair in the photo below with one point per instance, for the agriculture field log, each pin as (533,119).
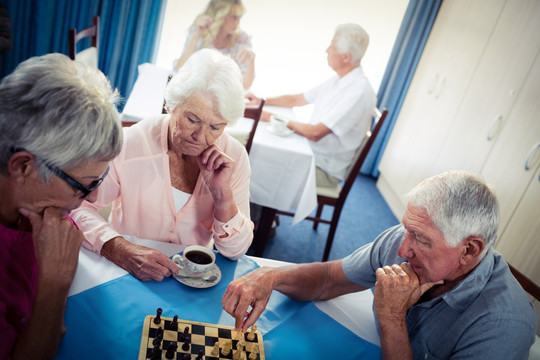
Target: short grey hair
(460,204)
(209,72)
(61,111)
(353,39)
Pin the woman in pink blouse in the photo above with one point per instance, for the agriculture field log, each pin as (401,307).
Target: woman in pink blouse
(179,178)
(218,27)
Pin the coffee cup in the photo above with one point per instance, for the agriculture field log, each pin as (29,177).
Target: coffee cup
(195,260)
(278,124)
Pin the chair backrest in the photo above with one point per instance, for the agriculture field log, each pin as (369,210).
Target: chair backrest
(255,114)
(90,55)
(362,153)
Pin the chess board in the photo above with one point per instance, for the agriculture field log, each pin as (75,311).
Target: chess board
(202,336)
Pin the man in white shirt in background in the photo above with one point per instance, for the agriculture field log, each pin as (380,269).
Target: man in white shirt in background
(343,106)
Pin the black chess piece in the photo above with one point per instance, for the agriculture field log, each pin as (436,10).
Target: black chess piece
(174,324)
(200,356)
(185,335)
(185,346)
(157,341)
(171,351)
(156,353)
(159,332)
(157,319)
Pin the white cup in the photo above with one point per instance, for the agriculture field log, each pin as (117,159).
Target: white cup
(195,260)
(278,124)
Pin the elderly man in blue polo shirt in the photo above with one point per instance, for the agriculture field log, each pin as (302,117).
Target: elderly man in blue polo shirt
(441,290)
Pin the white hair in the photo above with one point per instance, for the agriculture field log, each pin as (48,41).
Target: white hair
(353,39)
(61,111)
(209,71)
(460,204)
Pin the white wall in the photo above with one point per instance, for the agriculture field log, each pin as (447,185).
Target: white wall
(290,37)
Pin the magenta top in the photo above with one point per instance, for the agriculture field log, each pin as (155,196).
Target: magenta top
(18,282)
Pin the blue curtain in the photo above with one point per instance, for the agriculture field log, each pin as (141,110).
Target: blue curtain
(410,41)
(129,33)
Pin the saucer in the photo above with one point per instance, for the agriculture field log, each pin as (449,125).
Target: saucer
(285,132)
(199,283)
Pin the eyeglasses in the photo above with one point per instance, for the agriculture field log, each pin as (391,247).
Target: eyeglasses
(71,181)
(77,185)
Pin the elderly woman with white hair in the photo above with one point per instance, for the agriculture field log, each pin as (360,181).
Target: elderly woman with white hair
(179,178)
(59,128)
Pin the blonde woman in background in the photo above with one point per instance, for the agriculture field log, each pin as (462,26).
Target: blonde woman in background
(218,28)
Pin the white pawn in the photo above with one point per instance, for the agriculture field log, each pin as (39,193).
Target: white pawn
(251,334)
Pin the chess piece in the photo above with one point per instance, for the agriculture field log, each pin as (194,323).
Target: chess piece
(253,354)
(215,350)
(185,346)
(171,351)
(227,346)
(159,332)
(157,341)
(156,353)
(185,335)
(239,348)
(157,319)
(241,343)
(174,323)
(200,356)
(251,335)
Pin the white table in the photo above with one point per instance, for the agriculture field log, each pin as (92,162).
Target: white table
(283,168)
(354,311)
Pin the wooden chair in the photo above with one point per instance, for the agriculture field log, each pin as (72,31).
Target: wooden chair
(88,56)
(336,196)
(255,114)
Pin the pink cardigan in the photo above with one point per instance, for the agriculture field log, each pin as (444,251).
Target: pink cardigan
(139,187)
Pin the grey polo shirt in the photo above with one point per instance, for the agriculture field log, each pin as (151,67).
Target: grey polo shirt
(486,316)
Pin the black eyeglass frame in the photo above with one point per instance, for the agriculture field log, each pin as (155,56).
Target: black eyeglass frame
(77,185)
(71,181)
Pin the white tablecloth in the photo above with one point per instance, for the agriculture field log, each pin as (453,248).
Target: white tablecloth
(354,311)
(282,167)
(146,98)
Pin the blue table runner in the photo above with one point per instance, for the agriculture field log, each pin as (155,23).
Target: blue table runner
(105,322)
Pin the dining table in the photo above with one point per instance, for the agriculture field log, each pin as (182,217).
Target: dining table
(107,306)
(282,165)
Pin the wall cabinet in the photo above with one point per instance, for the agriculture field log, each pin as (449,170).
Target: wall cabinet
(478,110)
(456,43)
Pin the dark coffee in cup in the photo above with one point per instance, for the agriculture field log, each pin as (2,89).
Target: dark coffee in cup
(198,257)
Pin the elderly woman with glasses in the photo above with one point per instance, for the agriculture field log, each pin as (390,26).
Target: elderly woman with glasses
(59,128)
(179,178)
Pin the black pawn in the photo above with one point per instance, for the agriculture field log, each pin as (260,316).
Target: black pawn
(185,346)
(200,356)
(171,351)
(174,324)
(185,335)
(157,319)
